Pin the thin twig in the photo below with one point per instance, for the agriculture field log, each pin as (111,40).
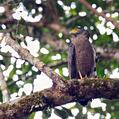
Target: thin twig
(88,6)
(55,65)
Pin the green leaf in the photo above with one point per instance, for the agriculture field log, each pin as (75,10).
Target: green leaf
(61,113)
(46,113)
(68,111)
(31,116)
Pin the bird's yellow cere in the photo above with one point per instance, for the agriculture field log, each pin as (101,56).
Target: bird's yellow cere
(75,30)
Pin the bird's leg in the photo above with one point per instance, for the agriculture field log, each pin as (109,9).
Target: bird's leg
(80,75)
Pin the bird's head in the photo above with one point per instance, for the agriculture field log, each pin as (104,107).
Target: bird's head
(79,32)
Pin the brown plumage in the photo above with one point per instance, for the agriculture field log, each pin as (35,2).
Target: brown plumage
(81,55)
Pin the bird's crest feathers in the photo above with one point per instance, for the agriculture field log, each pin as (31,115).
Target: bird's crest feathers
(75,31)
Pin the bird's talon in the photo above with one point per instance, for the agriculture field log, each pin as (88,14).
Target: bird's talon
(80,75)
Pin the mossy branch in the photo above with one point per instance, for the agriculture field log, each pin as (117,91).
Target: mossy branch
(73,91)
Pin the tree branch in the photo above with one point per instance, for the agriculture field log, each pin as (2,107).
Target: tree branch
(88,6)
(73,91)
(25,54)
(108,53)
(54,42)
(56,65)
(3,88)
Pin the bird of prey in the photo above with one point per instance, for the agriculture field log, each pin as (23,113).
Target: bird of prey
(81,56)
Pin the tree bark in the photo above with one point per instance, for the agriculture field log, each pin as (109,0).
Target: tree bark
(73,91)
